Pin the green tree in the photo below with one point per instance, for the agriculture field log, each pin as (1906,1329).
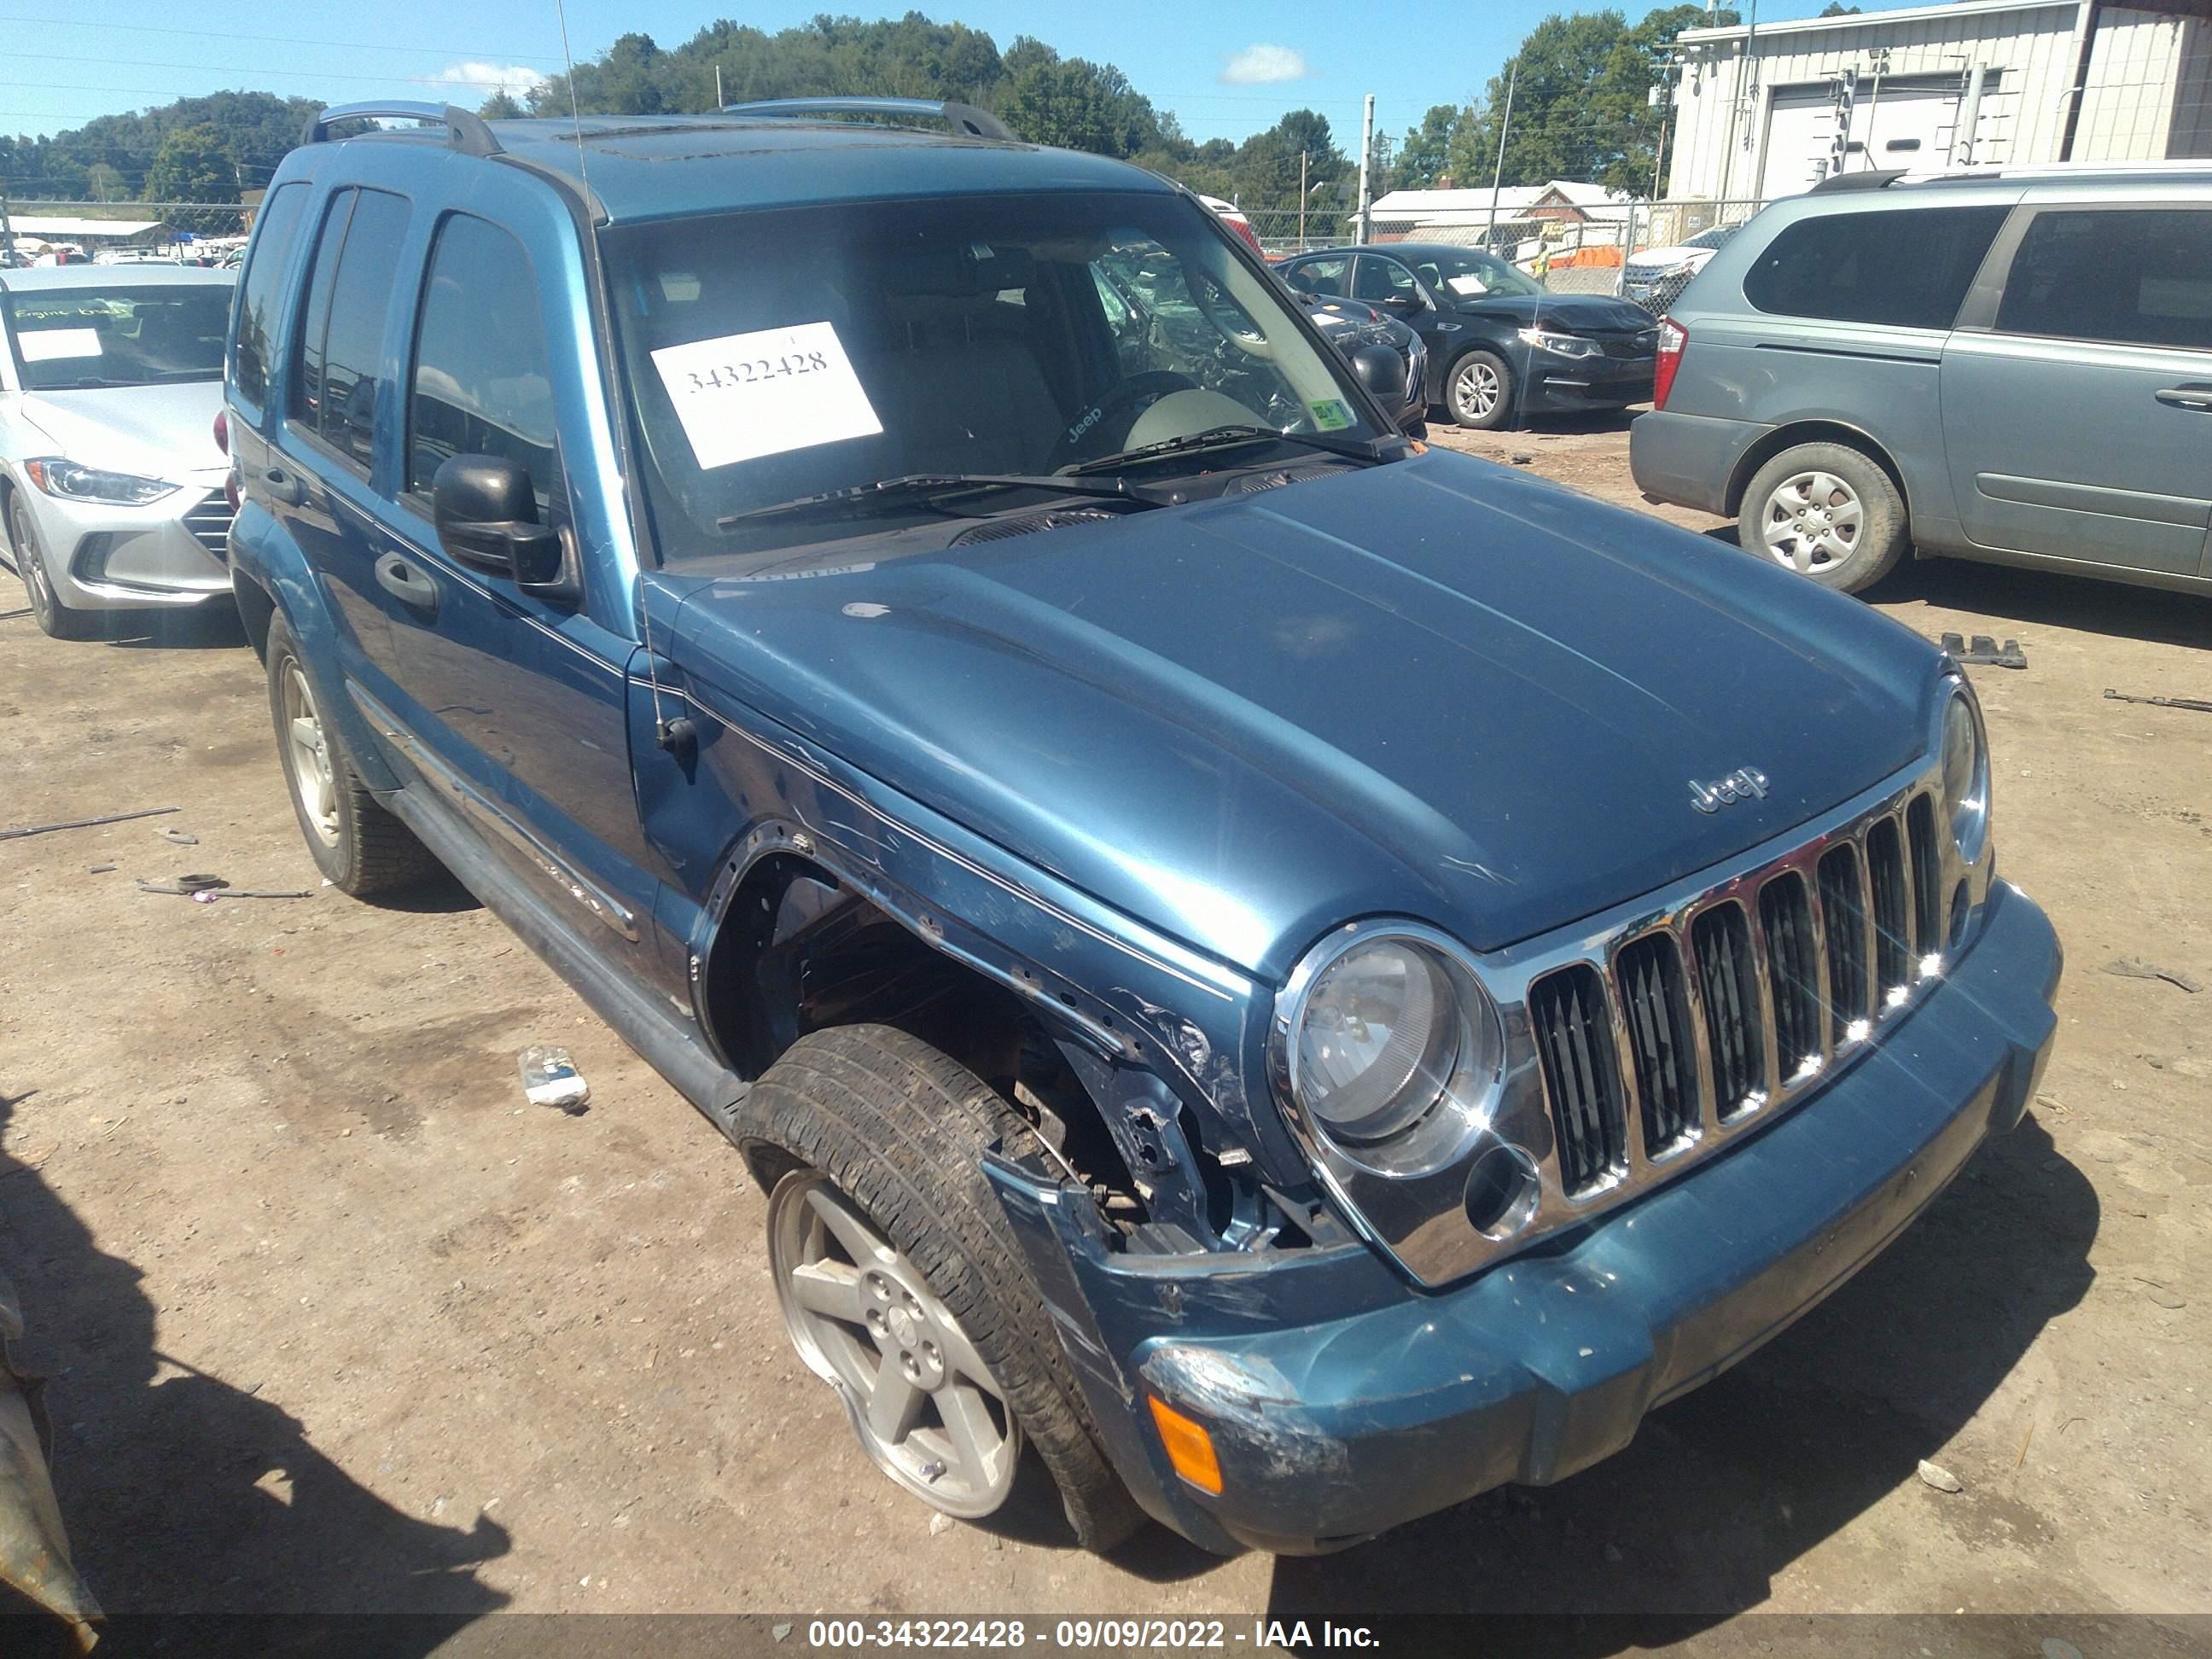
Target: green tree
(1581,93)
(1424,159)
(500,107)
(102,183)
(193,164)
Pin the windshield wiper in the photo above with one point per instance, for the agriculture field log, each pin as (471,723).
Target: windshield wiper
(922,486)
(1230,437)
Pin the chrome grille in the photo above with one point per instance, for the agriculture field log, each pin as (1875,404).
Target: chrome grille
(1575,1043)
(1662,1051)
(1708,1017)
(1736,1031)
(210,523)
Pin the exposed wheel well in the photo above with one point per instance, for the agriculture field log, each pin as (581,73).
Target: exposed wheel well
(1811,432)
(7,522)
(796,951)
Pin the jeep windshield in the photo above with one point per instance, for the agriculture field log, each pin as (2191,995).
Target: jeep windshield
(776,356)
(72,338)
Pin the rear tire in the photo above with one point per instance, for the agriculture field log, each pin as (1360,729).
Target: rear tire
(1828,511)
(882,1137)
(361,846)
(56,619)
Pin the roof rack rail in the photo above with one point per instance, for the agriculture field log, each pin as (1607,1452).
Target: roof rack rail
(466,132)
(964,118)
(1877,178)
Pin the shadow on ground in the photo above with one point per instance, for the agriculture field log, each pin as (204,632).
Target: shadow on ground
(2030,598)
(187,1498)
(1723,1488)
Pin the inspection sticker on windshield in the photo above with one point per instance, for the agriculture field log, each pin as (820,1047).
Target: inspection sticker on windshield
(46,345)
(744,395)
(1330,415)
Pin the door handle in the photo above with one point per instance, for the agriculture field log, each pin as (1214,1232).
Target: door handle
(406,584)
(281,484)
(2197,396)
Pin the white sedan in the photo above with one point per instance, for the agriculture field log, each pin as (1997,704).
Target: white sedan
(112,484)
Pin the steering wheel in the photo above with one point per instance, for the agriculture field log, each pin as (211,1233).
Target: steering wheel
(1226,315)
(1154,383)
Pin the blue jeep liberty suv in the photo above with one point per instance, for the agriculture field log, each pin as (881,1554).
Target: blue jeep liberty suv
(1285,977)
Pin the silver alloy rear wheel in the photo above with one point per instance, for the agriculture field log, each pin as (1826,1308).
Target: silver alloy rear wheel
(865,1320)
(1812,522)
(314,777)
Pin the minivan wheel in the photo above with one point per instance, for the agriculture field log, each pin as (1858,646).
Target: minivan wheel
(1827,512)
(1480,391)
(902,1287)
(362,847)
(56,619)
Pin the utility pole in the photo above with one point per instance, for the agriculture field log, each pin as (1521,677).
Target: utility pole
(1498,174)
(6,227)
(1301,200)
(719,105)
(1366,152)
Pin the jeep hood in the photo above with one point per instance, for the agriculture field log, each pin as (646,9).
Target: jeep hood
(1433,688)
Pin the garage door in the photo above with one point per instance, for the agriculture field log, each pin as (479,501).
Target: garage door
(1904,123)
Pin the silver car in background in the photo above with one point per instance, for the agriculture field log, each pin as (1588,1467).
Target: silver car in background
(112,487)
(2013,365)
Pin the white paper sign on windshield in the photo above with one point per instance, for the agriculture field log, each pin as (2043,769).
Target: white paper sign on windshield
(742,396)
(1469,284)
(46,345)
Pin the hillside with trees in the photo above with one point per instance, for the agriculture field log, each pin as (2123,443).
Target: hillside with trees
(218,146)
(1580,111)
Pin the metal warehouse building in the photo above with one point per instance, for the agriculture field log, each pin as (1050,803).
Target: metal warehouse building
(1768,110)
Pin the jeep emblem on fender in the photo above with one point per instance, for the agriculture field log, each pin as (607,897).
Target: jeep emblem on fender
(1739,785)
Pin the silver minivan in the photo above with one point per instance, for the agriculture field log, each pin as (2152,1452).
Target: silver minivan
(2014,366)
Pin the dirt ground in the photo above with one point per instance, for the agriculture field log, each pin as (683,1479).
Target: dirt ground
(335,1322)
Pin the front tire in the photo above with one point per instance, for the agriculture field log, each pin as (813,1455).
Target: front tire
(1479,392)
(56,619)
(361,846)
(1828,511)
(901,1281)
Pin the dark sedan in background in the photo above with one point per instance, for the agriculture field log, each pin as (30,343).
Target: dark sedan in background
(1500,344)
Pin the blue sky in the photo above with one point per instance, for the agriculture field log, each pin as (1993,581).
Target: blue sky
(1225,71)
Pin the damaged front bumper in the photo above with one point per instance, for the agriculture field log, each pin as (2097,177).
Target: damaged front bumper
(1341,1401)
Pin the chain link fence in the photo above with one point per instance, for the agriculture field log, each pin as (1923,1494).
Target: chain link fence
(1644,251)
(106,231)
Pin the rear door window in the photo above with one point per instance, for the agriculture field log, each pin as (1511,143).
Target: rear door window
(342,338)
(2131,275)
(1321,276)
(1383,279)
(483,385)
(1898,267)
(276,228)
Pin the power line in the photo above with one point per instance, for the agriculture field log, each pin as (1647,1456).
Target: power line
(245,68)
(217,34)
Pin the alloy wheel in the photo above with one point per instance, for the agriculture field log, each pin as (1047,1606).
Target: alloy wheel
(865,1320)
(1812,522)
(1475,391)
(31,566)
(314,777)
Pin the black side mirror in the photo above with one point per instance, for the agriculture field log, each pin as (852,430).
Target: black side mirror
(1402,305)
(487,521)
(1383,372)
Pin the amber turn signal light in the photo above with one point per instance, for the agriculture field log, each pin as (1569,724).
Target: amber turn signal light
(1189,1447)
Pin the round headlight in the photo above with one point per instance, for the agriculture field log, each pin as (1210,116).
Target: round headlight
(1391,1050)
(1965,777)
(1379,1042)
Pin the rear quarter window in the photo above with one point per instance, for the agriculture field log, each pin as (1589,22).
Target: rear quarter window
(1899,267)
(276,228)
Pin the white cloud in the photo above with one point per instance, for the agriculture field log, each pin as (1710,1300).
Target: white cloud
(1259,65)
(484,79)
